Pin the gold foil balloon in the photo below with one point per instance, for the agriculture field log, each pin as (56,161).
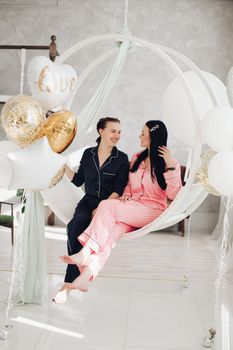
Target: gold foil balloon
(22,120)
(202,174)
(60,129)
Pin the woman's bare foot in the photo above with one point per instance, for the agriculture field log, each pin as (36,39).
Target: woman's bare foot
(68,259)
(82,281)
(78,259)
(62,295)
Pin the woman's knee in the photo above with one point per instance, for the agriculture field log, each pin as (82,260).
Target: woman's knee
(78,224)
(107,203)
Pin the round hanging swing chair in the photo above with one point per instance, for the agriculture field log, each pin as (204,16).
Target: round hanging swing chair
(192,194)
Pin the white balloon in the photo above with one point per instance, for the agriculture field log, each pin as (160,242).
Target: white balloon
(35,166)
(75,157)
(217,128)
(63,198)
(229,82)
(220,172)
(5,166)
(176,111)
(51,84)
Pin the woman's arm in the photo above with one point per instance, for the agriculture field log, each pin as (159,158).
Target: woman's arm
(121,178)
(70,173)
(126,194)
(165,153)
(172,174)
(173,181)
(120,182)
(78,178)
(114,195)
(127,191)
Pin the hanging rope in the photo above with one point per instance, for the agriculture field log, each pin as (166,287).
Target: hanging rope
(22,61)
(16,276)
(220,283)
(188,164)
(126,14)
(187,254)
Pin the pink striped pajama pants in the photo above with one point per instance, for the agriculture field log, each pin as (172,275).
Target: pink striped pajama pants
(112,219)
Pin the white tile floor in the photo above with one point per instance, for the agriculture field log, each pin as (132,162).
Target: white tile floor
(138,303)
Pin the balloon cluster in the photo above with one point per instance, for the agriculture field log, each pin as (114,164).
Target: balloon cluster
(38,139)
(24,123)
(176,111)
(216,171)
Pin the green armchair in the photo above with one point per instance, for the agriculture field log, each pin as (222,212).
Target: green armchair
(8,220)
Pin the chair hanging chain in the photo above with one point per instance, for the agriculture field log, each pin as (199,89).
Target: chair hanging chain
(126,14)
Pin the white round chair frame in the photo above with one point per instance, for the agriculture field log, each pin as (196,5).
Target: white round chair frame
(191,194)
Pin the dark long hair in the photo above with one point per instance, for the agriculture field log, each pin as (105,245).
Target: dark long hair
(102,123)
(158,137)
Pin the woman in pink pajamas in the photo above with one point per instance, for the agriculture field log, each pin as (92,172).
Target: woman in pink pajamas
(154,177)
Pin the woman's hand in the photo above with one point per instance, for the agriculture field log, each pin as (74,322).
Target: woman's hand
(93,213)
(70,173)
(166,155)
(124,198)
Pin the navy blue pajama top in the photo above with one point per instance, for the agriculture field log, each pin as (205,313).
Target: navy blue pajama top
(102,181)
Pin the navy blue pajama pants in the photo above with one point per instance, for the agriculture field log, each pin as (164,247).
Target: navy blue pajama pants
(80,221)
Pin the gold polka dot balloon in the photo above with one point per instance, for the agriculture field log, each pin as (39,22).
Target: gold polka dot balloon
(22,119)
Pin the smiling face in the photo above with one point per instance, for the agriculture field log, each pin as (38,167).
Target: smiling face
(145,137)
(110,135)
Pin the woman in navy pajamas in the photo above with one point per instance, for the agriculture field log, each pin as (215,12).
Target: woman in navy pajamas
(104,172)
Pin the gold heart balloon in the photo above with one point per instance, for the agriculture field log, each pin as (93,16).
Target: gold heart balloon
(60,129)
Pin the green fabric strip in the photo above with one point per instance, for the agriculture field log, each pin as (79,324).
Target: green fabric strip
(32,269)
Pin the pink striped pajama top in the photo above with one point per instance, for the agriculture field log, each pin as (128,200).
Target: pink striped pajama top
(141,187)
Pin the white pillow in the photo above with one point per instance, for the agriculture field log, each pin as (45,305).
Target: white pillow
(34,167)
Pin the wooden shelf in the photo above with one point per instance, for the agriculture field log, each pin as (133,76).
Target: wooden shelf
(4,98)
(27,47)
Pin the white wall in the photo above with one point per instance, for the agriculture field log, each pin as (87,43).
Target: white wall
(200,29)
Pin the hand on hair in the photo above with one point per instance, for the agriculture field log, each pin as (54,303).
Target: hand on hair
(164,152)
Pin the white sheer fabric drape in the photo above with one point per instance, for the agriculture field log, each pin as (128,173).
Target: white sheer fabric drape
(218,231)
